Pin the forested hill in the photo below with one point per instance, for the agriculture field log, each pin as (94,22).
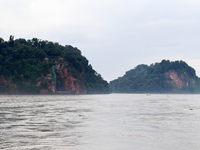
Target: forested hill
(36,66)
(164,77)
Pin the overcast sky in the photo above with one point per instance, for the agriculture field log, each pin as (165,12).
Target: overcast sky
(114,35)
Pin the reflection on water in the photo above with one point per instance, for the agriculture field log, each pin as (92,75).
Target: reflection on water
(113,122)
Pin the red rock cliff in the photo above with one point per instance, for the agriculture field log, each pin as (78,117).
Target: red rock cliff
(65,81)
(179,81)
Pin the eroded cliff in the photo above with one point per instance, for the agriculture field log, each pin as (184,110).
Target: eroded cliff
(62,82)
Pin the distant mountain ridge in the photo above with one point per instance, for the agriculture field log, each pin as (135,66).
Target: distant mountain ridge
(164,77)
(43,67)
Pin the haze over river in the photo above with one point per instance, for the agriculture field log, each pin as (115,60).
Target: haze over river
(100,122)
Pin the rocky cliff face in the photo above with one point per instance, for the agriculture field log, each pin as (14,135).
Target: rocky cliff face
(65,82)
(179,81)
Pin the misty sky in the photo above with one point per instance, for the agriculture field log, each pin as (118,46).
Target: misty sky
(114,35)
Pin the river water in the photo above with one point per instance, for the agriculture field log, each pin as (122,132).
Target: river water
(100,122)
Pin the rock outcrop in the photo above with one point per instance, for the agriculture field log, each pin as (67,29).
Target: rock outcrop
(65,82)
(177,82)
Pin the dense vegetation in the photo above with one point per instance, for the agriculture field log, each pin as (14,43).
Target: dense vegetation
(155,78)
(22,62)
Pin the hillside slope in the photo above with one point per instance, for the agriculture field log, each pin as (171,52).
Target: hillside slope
(164,77)
(42,67)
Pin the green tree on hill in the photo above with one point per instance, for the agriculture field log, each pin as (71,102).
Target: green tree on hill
(22,62)
(155,79)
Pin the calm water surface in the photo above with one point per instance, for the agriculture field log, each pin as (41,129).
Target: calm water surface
(100,122)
